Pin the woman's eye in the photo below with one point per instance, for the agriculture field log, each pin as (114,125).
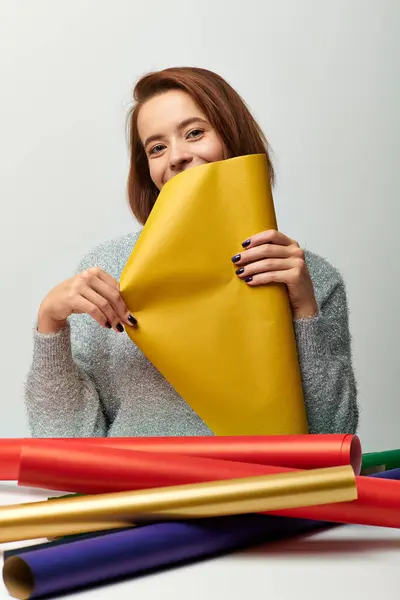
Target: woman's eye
(195,133)
(157,149)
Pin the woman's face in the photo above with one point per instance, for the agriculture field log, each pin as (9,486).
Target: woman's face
(176,136)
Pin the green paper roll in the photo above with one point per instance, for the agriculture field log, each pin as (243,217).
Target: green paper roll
(381,461)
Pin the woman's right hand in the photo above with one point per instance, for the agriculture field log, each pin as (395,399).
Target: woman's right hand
(93,292)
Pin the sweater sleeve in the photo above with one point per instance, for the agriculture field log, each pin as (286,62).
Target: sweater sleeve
(60,395)
(324,350)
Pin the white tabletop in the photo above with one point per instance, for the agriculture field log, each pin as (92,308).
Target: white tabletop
(345,562)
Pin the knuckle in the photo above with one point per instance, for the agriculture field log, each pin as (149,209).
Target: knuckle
(299,252)
(103,304)
(115,296)
(77,286)
(301,265)
(70,297)
(77,282)
(94,311)
(121,305)
(298,273)
(85,276)
(89,274)
(266,264)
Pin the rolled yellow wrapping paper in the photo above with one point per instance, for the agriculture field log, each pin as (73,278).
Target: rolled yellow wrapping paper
(227,349)
(66,516)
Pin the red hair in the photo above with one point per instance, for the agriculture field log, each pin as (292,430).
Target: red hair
(225,110)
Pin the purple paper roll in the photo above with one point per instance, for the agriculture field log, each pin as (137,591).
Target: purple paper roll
(391,474)
(126,553)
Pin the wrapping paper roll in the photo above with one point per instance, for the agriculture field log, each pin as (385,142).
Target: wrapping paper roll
(86,469)
(10,449)
(386,460)
(391,474)
(29,572)
(378,502)
(67,539)
(180,270)
(227,497)
(58,568)
(297,451)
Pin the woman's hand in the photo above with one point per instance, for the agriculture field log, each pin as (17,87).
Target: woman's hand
(93,292)
(272,257)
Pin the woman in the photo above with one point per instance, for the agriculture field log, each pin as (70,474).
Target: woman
(87,378)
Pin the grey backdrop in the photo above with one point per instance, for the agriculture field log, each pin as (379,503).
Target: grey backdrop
(323,80)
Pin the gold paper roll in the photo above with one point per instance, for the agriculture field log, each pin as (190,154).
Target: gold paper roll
(67,516)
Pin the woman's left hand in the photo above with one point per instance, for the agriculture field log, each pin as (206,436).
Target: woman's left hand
(272,257)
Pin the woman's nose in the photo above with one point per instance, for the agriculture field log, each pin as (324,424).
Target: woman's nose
(179,160)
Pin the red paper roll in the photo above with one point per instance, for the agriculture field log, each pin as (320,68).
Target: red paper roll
(9,458)
(58,466)
(90,469)
(295,451)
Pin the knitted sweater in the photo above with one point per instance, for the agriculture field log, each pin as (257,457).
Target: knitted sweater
(88,381)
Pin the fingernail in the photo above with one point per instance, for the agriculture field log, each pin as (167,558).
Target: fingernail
(119,327)
(132,320)
(248,279)
(239,271)
(108,324)
(246,243)
(236,258)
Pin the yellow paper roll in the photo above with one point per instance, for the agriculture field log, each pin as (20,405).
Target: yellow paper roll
(227,349)
(66,516)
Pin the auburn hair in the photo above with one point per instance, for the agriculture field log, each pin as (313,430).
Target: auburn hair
(222,106)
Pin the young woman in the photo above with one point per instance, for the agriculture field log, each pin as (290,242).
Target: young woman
(87,378)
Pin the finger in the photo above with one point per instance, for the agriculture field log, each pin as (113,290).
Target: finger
(110,293)
(95,299)
(270,236)
(105,277)
(285,276)
(263,266)
(84,306)
(119,305)
(261,252)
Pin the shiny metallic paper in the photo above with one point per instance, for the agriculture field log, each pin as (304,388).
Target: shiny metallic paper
(80,514)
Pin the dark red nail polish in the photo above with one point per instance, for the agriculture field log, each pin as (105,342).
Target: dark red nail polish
(246,243)
(108,324)
(239,271)
(119,327)
(132,320)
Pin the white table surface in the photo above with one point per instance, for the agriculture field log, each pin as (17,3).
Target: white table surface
(345,562)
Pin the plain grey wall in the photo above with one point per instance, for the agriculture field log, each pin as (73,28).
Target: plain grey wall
(321,77)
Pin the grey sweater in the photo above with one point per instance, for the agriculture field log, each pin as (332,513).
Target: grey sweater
(89,381)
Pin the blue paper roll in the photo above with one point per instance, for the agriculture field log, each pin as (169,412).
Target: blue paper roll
(91,561)
(390,474)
